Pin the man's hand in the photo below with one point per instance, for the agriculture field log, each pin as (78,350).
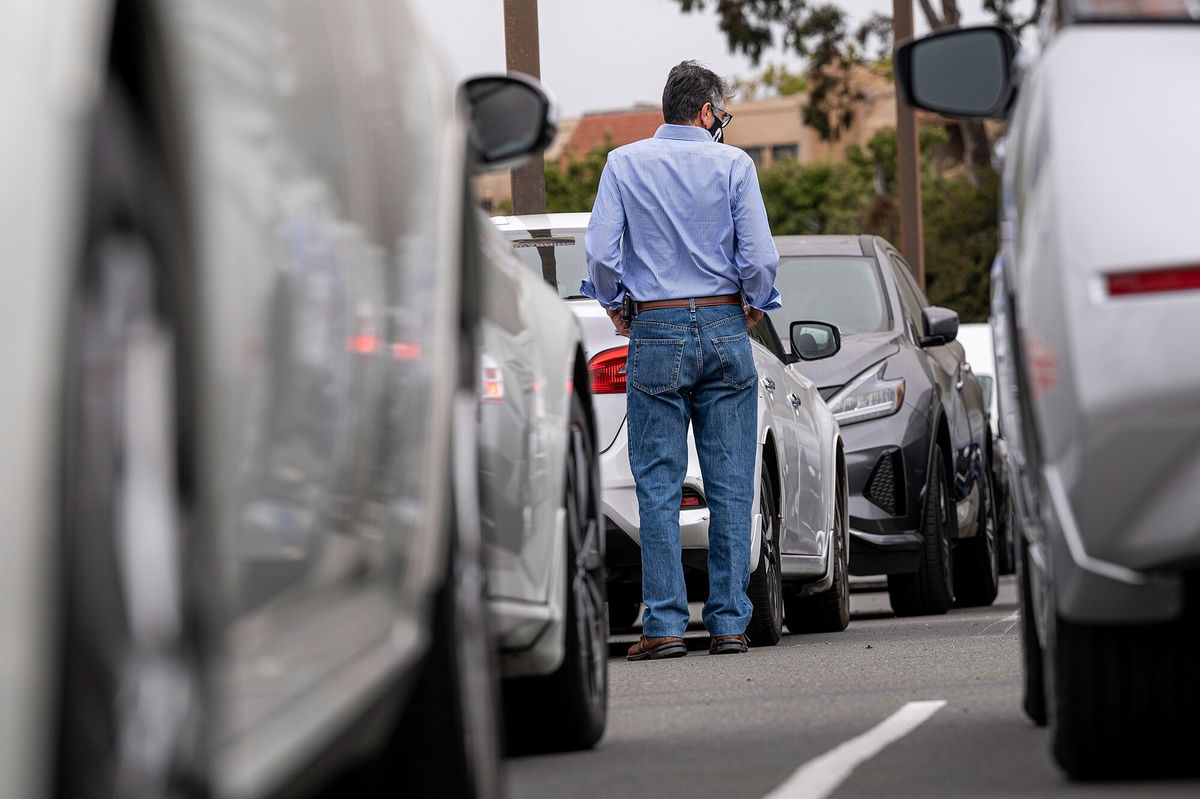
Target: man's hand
(619,323)
(752,316)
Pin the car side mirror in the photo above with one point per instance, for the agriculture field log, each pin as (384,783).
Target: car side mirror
(964,73)
(941,325)
(812,341)
(510,119)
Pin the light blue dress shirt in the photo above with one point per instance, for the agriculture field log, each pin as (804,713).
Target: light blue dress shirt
(679,216)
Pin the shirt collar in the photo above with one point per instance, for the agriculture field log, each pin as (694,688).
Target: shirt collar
(684,132)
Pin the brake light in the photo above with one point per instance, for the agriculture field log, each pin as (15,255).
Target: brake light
(607,371)
(1181,278)
(492,383)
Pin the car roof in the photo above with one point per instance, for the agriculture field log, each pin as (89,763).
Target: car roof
(824,245)
(519,224)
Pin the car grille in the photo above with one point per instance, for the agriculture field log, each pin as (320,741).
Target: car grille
(885,488)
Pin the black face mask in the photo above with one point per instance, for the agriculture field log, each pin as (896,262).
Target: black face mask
(715,129)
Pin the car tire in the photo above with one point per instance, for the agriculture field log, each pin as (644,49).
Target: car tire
(828,611)
(568,709)
(930,589)
(130,701)
(1008,536)
(977,559)
(1034,684)
(624,606)
(1125,700)
(766,582)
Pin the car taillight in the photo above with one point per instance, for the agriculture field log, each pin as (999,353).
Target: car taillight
(492,382)
(607,371)
(1154,281)
(691,499)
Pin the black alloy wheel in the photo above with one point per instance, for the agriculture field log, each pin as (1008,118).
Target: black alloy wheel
(930,589)
(130,699)
(766,582)
(1033,699)
(568,709)
(977,559)
(828,611)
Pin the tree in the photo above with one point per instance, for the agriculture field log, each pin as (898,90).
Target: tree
(774,81)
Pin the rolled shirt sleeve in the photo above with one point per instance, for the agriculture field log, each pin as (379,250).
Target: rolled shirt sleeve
(755,256)
(602,243)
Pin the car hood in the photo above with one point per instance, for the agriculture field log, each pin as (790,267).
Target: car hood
(598,336)
(858,352)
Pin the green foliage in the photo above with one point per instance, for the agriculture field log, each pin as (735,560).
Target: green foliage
(859,195)
(774,81)
(573,188)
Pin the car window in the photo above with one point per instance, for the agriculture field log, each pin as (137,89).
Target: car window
(906,287)
(564,246)
(765,333)
(845,291)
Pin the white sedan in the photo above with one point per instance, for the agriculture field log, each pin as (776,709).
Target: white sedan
(799,553)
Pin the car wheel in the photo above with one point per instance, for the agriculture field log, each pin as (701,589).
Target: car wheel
(1034,699)
(828,611)
(624,606)
(1125,700)
(568,709)
(930,589)
(766,582)
(977,559)
(130,701)
(1007,535)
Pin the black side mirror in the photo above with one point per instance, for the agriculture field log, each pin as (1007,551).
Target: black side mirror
(511,119)
(941,325)
(964,73)
(812,341)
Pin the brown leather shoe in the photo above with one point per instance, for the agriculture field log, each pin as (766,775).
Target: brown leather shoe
(657,648)
(728,644)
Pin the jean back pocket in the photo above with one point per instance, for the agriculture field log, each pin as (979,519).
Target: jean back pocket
(654,367)
(737,359)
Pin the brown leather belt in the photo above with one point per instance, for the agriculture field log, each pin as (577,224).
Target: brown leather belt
(720,299)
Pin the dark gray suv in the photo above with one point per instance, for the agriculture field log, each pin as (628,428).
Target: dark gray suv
(913,418)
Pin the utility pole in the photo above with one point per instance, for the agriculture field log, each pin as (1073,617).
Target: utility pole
(522,54)
(908,174)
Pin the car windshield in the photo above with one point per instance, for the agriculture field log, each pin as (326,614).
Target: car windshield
(1156,10)
(846,292)
(561,246)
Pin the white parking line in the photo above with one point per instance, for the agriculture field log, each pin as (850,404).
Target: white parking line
(1007,623)
(818,778)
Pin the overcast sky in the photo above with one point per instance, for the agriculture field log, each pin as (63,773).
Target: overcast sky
(605,54)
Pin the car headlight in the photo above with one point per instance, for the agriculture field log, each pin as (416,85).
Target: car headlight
(868,396)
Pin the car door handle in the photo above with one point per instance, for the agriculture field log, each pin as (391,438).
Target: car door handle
(795,400)
(768,384)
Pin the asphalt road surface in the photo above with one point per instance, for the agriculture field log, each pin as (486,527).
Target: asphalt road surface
(926,706)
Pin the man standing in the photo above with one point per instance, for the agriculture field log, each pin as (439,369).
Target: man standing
(679,225)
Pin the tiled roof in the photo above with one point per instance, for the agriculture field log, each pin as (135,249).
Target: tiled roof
(622,127)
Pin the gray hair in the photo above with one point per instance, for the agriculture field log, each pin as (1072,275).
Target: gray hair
(689,86)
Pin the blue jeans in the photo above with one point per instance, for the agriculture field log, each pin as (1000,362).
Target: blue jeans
(693,365)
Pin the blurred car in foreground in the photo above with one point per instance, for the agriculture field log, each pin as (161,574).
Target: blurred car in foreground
(540,489)
(1096,310)
(912,416)
(799,553)
(239,535)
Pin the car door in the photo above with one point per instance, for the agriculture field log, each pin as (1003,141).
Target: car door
(795,434)
(323,341)
(947,364)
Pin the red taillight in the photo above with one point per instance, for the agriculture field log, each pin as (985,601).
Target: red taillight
(607,371)
(1180,278)
(690,502)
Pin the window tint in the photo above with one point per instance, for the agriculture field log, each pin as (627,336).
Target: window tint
(906,287)
(845,291)
(564,245)
(764,333)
